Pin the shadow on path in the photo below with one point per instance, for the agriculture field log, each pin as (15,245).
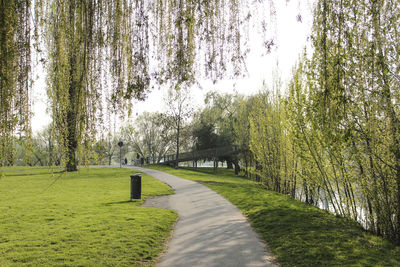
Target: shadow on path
(210,230)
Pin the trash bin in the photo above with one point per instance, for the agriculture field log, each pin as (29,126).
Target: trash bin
(136,186)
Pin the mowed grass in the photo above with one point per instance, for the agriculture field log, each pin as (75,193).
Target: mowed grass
(297,234)
(83,218)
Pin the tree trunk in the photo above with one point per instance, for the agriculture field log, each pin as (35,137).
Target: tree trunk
(229,164)
(71,144)
(246,162)
(177,145)
(72,116)
(237,167)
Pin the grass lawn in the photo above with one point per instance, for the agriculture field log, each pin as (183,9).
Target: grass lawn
(83,218)
(297,234)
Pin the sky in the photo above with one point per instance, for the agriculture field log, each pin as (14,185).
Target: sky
(291,38)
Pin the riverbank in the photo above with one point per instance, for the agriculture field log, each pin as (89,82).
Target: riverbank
(297,234)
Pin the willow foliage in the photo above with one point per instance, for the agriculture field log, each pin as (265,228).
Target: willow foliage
(108,52)
(342,119)
(15,80)
(104,50)
(354,91)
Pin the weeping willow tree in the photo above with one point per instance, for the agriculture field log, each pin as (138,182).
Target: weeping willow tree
(341,130)
(354,96)
(343,108)
(109,51)
(15,81)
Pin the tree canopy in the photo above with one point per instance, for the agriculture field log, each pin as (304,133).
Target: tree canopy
(99,52)
(15,78)
(333,139)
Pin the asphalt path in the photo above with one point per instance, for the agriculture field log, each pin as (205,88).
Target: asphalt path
(210,230)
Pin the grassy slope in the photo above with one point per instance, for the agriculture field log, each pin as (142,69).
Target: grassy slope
(82,218)
(298,234)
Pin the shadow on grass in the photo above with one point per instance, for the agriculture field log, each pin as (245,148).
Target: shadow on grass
(122,202)
(32,174)
(303,235)
(210,182)
(209,170)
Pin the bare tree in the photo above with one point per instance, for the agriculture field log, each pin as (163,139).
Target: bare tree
(110,143)
(179,108)
(149,136)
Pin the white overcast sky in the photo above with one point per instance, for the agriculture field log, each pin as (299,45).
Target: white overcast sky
(291,38)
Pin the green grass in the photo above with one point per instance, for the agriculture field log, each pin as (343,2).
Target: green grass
(297,234)
(83,218)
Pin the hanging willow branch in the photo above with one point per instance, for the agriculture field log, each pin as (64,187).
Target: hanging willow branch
(15,81)
(100,49)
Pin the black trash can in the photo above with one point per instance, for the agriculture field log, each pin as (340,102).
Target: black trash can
(136,186)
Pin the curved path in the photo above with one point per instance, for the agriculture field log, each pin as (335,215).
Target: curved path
(210,230)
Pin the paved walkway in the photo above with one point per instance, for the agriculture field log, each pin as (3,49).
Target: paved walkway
(210,230)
